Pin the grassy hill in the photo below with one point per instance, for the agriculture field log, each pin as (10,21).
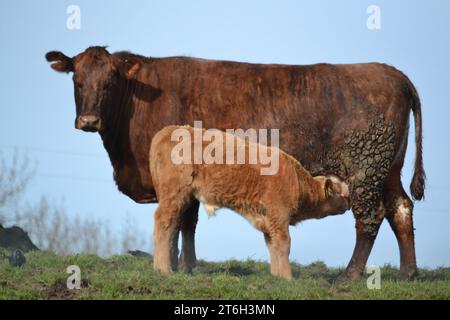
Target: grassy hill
(127,277)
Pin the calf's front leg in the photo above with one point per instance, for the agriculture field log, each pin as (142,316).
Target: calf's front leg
(279,243)
(167,224)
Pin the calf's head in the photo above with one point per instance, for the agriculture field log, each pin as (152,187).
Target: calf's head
(95,74)
(336,197)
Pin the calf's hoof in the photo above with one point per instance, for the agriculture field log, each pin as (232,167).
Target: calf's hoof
(162,269)
(284,275)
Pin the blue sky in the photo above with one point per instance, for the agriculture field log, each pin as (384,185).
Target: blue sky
(37,108)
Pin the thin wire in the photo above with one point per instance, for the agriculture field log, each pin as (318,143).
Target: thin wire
(68,177)
(99,180)
(439,187)
(55,151)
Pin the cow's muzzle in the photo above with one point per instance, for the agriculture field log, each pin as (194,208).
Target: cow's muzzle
(89,123)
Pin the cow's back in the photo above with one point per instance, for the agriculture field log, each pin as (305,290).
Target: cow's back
(315,107)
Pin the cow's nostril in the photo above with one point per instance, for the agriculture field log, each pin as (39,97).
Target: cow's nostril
(89,123)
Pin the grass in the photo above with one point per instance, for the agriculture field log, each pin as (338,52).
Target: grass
(127,277)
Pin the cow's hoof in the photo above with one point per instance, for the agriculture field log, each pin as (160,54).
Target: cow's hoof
(186,267)
(186,264)
(407,275)
(347,277)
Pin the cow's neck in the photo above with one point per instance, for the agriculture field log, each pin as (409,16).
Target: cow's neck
(117,117)
(125,149)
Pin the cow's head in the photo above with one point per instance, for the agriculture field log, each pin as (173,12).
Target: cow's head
(95,72)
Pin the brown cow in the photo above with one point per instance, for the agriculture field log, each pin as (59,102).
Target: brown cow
(270,202)
(349,120)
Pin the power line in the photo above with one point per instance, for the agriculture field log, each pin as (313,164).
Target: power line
(70,177)
(55,151)
(99,180)
(439,187)
(437,210)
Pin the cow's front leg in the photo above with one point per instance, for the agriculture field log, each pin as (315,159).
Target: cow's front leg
(189,220)
(174,249)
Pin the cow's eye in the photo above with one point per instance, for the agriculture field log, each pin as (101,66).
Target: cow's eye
(79,85)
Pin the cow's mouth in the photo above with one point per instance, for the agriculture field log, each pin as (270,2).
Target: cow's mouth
(90,129)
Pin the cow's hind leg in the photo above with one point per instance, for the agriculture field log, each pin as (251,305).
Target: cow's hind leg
(399,209)
(368,210)
(368,221)
(188,224)
(371,154)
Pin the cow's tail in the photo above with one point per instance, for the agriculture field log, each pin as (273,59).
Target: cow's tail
(417,186)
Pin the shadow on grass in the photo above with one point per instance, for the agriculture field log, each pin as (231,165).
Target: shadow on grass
(232,267)
(388,272)
(315,270)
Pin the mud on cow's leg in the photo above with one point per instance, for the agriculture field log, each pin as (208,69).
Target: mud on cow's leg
(368,220)
(369,155)
(189,221)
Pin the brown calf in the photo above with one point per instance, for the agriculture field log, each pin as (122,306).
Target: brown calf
(270,202)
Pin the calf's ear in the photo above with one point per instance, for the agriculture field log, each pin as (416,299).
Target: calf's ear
(128,67)
(62,63)
(329,192)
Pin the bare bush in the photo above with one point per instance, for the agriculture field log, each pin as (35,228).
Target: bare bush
(49,225)
(14,178)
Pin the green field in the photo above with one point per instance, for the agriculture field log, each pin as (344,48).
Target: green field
(128,277)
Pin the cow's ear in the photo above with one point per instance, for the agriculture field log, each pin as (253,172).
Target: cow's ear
(329,192)
(128,67)
(62,63)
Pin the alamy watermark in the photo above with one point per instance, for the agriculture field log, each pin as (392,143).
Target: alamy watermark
(74,280)
(374,20)
(228,148)
(374,279)
(73,21)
